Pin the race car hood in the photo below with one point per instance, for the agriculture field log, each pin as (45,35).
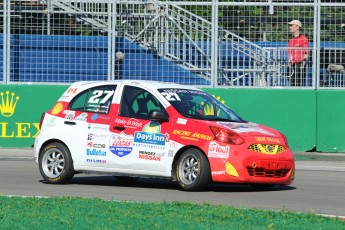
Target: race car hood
(248,130)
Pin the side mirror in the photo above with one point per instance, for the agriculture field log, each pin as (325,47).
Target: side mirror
(158,115)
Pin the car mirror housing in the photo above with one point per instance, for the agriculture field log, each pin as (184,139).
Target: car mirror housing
(158,115)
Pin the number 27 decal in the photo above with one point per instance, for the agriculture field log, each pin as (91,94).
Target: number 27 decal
(171,96)
(98,96)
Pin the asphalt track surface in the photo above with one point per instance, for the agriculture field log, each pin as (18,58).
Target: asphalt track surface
(319,186)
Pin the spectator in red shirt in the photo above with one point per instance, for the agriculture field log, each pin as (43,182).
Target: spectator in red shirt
(298,50)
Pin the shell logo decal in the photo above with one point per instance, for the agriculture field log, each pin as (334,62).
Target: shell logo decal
(57,108)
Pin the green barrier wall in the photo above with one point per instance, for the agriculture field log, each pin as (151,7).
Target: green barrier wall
(289,111)
(20,112)
(310,119)
(330,121)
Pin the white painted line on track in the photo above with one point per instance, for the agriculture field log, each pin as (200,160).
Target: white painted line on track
(14,157)
(40,197)
(333,216)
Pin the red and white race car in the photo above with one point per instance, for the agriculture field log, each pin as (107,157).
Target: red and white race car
(133,129)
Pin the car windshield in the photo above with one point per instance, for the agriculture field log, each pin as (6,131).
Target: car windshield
(199,105)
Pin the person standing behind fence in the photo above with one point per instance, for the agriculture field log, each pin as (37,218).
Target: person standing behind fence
(298,50)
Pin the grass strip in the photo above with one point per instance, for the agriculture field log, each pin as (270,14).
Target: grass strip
(85,213)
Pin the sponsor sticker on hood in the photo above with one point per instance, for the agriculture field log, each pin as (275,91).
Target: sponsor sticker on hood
(245,127)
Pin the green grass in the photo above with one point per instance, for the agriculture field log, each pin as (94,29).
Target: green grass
(81,213)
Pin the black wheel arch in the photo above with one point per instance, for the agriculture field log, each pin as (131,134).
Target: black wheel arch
(67,171)
(52,141)
(177,156)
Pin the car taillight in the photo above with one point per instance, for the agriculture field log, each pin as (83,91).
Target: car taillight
(226,136)
(42,118)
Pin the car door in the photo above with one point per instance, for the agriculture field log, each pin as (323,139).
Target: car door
(89,119)
(138,143)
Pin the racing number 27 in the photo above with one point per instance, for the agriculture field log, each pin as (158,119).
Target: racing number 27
(98,94)
(171,96)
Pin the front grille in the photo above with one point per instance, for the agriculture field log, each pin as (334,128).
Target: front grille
(262,172)
(267,149)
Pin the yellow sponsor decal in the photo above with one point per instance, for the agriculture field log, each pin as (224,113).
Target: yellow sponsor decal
(189,138)
(191,135)
(230,169)
(265,139)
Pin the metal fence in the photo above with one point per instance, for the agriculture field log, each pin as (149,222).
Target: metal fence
(204,43)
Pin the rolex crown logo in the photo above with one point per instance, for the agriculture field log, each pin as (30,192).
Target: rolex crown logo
(209,110)
(8,103)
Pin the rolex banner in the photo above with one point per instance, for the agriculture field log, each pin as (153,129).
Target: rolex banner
(310,119)
(21,107)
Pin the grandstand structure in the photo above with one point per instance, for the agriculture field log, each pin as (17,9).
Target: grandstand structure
(203,43)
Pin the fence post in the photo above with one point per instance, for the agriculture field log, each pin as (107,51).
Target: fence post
(214,44)
(316,46)
(7,41)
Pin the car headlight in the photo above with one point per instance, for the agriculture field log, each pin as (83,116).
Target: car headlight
(226,136)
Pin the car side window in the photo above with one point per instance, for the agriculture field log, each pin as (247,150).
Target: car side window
(95,100)
(138,103)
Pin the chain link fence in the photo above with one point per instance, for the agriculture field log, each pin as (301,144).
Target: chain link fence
(202,43)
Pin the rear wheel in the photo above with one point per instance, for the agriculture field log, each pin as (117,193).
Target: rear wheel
(193,170)
(55,163)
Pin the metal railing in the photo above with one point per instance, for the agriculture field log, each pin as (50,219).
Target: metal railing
(221,43)
(176,34)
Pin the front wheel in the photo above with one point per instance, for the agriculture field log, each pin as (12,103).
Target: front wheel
(193,170)
(55,163)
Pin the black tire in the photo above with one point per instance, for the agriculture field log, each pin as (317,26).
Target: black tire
(193,170)
(56,164)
